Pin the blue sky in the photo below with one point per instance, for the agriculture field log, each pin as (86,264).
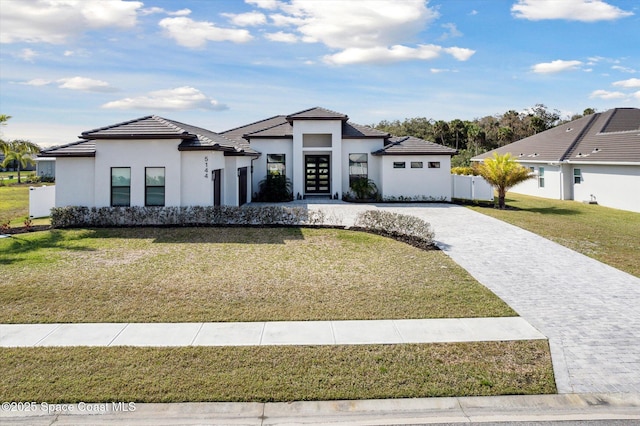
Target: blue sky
(67,66)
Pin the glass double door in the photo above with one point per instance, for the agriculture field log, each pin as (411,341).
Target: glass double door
(317,174)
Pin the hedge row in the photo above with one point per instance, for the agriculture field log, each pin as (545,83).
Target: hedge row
(409,229)
(67,217)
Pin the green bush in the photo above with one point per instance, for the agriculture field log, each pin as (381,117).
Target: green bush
(409,229)
(275,188)
(466,171)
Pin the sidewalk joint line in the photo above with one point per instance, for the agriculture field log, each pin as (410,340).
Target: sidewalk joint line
(118,334)
(48,334)
(196,335)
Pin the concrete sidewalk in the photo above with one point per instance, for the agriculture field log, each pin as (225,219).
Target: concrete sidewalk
(413,411)
(269,333)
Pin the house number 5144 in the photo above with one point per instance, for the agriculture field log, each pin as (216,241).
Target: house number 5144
(206,167)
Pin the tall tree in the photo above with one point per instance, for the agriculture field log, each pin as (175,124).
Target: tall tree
(503,172)
(21,152)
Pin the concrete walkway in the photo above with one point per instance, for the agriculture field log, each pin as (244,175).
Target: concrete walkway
(269,333)
(589,311)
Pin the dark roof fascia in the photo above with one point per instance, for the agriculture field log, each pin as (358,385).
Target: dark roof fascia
(382,152)
(241,154)
(147,137)
(206,148)
(68,154)
(249,137)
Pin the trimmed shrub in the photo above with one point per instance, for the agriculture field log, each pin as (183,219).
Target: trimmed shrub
(409,229)
(67,217)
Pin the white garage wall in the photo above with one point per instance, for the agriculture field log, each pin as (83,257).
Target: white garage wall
(75,181)
(424,183)
(137,154)
(196,186)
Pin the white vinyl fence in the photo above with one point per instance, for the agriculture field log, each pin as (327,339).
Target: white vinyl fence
(41,200)
(471,188)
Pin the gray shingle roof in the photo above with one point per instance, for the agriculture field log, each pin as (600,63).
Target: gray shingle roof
(74,149)
(154,127)
(238,133)
(611,136)
(409,145)
(317,113)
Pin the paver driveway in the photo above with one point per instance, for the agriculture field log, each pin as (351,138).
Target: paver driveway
(589,311)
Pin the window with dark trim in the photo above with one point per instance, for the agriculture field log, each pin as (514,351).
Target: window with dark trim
(577,176)
(276,164)
(399,165)
(154,186)
(358,167)
(416,165)
(541,177)
(434,164)
(120,186)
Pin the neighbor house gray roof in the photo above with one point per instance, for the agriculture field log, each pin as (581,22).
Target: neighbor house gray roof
(611,136)
(409,145)
(74,149)
(154,127)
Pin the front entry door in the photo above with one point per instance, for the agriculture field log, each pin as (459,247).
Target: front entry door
(217,187)
(317,176)
(242,185)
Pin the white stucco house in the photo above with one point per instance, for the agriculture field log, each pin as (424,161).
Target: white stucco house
(593,159)
(154,161)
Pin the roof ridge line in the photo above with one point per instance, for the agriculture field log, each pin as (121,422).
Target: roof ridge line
(166,122)
(115,125)
(580,136)
(251,124)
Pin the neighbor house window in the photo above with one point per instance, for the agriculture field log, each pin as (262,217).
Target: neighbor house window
(434,164)
(120,186)
(358,167)
(154,186)
(577,176)
(541,177)
(416,164)
(275,164)
(398,165)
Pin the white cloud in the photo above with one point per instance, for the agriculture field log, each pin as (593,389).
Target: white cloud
(54,21)
(605,94)
(631,83)
(441,70)
(27,54)
(85,84)
(452,31)
(74,83)
(636,95)
(382,55)
(189,33)
(623,69)
(282,37)
(180,98)
(265,4)
(555,66)
(572,10)
(154,10)
(37,82)
(246,19)
(364,31)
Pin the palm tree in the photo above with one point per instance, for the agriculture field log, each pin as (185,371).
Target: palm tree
(503,172)
(21,152)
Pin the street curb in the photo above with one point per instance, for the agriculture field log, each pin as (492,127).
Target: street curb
(610,406)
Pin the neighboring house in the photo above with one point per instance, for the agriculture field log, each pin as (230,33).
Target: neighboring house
(46,167)
(155,161)
(593,159)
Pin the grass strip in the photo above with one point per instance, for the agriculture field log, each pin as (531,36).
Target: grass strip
(605,234)
(276,373)
(230,274)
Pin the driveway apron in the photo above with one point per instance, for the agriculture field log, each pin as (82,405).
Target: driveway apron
(589,311)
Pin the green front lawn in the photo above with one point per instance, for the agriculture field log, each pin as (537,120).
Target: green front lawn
(274,373)
(230,274)
(14,204)
(608,235)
